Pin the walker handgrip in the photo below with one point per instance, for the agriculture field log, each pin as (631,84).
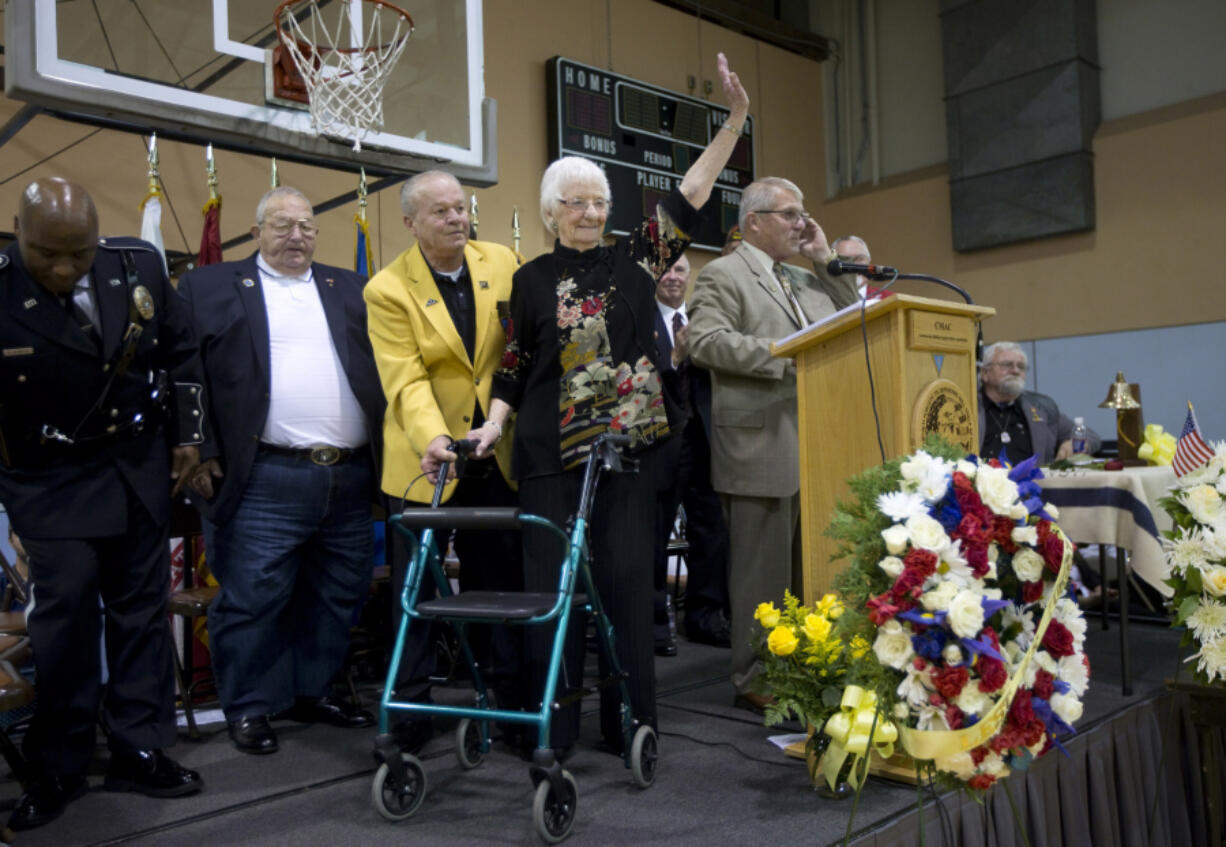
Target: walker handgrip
(458,517)
(616,440)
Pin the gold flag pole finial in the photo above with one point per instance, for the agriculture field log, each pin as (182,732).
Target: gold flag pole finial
(274,179)
(212,171)
(472,214)
(362,195)
(515,227)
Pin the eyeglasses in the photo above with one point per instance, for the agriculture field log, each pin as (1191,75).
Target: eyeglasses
(1010,366)
(789,215)
(283,227)
(578,204)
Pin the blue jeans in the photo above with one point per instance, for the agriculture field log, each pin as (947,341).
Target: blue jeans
(293,563)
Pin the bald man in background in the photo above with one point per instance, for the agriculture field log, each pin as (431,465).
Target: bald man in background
(99,415)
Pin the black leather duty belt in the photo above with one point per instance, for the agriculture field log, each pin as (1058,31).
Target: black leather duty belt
(322,454)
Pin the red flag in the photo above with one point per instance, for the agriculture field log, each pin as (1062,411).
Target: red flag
(1191,451)
(210,241)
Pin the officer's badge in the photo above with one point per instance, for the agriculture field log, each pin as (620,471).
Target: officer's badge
(143,301)
(29,304)
(115,282)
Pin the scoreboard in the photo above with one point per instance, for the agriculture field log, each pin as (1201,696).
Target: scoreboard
(645,138)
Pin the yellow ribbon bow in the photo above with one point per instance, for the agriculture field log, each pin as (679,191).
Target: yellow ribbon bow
(852,732)
(1158,447)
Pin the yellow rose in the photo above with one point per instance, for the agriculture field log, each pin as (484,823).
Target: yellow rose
(829,606)
(816,627)
(767,615)
(782,641)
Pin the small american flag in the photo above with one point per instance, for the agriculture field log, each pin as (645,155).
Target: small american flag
(1191,452)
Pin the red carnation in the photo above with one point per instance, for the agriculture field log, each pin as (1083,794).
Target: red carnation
(909,584)
(1053,553)
(1002,531)
(1058,640)
(950,681)
(1044,685)
(992,674)
(953,716)
(924,561)
(977,559)
(591,306)
(1033,733)
(978,755)
(1021,711)
(1032,592)
(981,781)
(509,359)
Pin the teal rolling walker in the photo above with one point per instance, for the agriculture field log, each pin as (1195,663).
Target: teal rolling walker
(400,781)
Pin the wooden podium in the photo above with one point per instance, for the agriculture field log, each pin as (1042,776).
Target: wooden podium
(923,367)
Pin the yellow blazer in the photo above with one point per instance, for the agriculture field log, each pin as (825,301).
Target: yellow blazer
(430,383)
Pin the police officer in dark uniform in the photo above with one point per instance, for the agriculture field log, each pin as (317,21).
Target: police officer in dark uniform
(100,412)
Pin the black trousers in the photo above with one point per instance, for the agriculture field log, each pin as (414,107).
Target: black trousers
(621,533)
(131,574)
(706,593)
(490,560)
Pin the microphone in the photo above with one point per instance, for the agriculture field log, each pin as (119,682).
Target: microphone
(838,267)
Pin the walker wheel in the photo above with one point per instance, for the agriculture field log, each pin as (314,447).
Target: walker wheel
(554,815)
(396,801)
(644,756)
(468,744)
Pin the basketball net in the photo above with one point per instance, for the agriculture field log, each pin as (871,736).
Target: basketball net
(344,65)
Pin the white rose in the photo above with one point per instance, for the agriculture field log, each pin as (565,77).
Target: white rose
(892,565)
(960,765)
(926,533)
(971,700)
(915,467)
(1028,565)
(1067,707)
(1203,502)
(938,599)
(999,493)
(896,538)
(893,645)
(952,654)
(1214,580)
(968,468)
(1052,511)
(966,614)
(1025,535)
(994,765)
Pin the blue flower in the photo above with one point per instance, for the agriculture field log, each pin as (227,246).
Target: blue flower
(929,643)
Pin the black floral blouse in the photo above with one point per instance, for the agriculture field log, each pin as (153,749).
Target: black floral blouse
(581,355)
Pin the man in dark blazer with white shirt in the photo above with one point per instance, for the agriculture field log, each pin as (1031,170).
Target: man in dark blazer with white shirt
(296,408)
(741,304)
(685,478)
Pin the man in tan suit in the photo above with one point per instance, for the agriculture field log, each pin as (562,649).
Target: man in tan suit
(742,303)
(435,329)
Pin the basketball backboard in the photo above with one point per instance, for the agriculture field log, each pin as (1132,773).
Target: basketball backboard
(196,70)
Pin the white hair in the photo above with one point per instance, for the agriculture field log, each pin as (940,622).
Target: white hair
(563,173)
(412,188)
(279,191)
(760,194)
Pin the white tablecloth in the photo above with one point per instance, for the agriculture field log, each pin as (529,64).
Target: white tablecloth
(1115,507)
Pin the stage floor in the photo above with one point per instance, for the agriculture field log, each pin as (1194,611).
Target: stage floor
(720,781)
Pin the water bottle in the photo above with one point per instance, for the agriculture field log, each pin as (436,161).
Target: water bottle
(1081,439)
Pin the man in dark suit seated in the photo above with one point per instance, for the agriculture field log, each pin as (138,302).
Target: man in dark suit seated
(296,409)
(685,479)
(95,342)
(1019,422)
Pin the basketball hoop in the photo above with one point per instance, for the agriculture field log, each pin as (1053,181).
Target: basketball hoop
(344,66)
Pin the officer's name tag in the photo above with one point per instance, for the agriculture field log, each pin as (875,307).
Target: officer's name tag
(18,351)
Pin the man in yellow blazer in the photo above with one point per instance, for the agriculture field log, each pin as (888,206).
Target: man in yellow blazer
(433,317)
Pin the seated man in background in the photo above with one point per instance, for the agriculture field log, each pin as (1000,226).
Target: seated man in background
(1022,423)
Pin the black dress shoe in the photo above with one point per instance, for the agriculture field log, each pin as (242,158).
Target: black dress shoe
(720,636)
(329,710)
(46,800)
(252,734)
(411,736)
(666,647)
(152,773)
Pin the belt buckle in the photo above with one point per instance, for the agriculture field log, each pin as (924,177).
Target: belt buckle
(325,455)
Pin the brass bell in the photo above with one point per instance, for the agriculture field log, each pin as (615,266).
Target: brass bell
(1119,395)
